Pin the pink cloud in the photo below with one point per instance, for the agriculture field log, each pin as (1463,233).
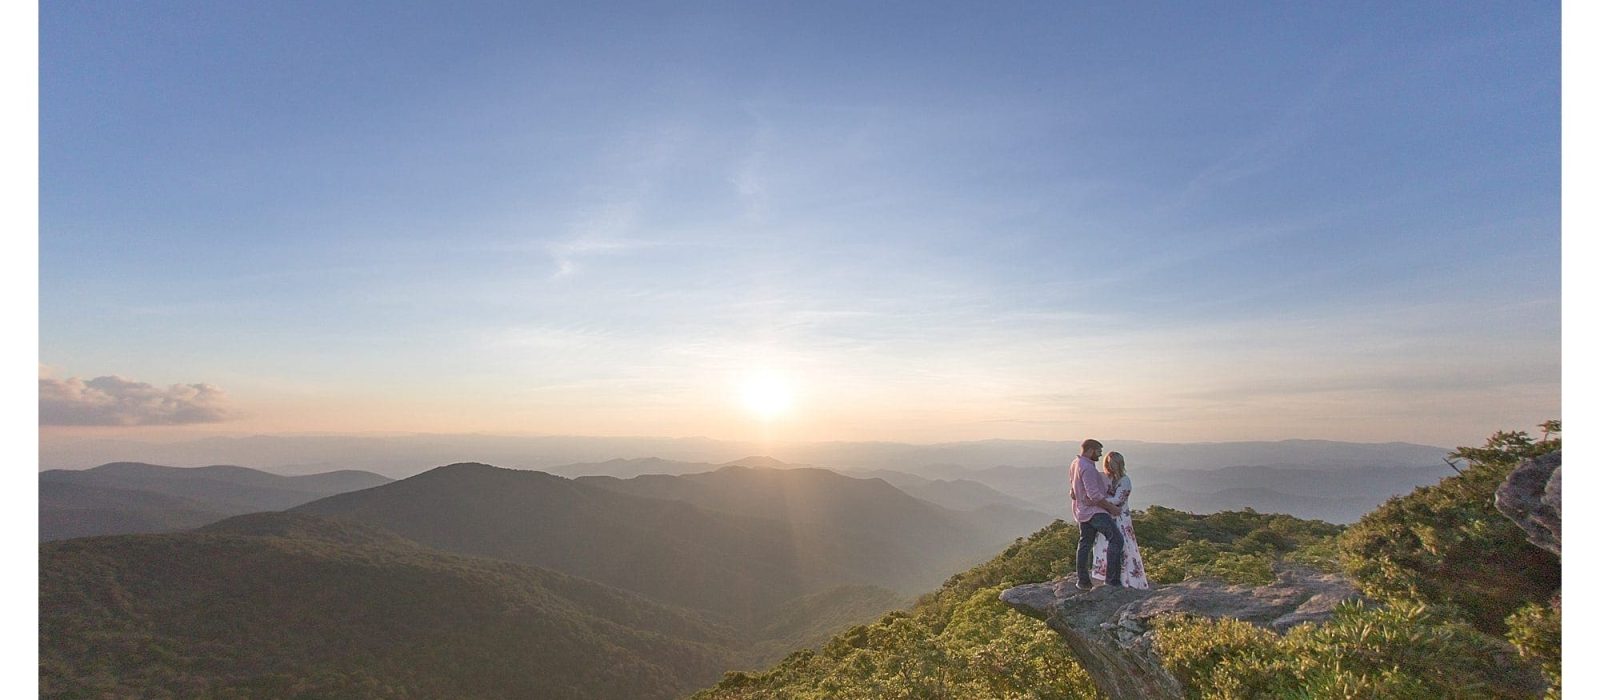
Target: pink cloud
(116,401)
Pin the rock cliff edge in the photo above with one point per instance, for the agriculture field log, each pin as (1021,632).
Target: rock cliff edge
(1107,627)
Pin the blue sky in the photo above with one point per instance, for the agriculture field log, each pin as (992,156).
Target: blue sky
(931,222)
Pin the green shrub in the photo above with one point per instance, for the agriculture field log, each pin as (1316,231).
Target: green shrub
(1535,631)
(962,642)
(1202,558)
(1401,651)
(1321,555)
(1200,653)
(1447,545)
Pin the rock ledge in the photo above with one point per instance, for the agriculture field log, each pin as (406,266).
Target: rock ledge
(1531,498)
(1107,627)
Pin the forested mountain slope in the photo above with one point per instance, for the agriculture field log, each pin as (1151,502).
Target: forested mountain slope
(291,605)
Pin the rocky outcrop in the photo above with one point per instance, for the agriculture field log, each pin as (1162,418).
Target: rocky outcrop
(1531,497)
(1107,627)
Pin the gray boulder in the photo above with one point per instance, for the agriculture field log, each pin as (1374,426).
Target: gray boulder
(1107,628)
(1531,498)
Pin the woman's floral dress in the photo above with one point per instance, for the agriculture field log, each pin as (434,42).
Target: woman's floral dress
(1132,563)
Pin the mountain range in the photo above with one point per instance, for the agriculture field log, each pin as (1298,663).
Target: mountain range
(719,542)
(133,497)
(941,539)
(405,455)
(644,587)
(291,605)
(621,585)
(1028,474)
(1335,494)
(1338,494)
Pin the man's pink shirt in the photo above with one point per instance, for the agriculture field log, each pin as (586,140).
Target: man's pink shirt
(1090,486)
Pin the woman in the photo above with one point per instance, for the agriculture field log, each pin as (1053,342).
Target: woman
(1132,564)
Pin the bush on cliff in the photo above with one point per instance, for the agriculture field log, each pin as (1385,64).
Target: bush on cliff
(1447,544)
(957,642)
(961,642)
(1399,651)
(1535,631)
(1447,569)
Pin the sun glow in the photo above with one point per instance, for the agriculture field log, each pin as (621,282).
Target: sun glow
(767,396)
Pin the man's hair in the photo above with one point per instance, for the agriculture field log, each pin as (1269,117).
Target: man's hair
(1092,444)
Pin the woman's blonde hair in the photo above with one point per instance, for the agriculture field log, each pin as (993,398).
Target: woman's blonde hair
(1115,459)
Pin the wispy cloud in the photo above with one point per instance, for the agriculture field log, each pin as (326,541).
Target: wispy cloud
(526,338)
(112,400)
(1267,149)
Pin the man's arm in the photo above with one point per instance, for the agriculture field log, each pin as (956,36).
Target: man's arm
(1095,490)
(1090,485)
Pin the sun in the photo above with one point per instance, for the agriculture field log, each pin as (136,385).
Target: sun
(767,396)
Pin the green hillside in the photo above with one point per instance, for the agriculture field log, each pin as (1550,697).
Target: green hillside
(935,540)
(1447,547)
(1416,641)
(81,510)
(282,605)
(737,566)
(961,642)
(299,604)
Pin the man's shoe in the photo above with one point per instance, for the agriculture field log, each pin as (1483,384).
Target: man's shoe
(1084,586)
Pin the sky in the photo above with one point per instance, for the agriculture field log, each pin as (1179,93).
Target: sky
(916,222)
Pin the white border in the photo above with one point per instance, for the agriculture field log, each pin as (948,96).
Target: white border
(19,270)
(1578,119)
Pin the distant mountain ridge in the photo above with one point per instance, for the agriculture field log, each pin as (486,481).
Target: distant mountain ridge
(1336,494)
(223,484)
(406,455)
(956,494)
(79,510)
(724,563)
(821,496)
(628,468)
(133,497)
(733,542)
(938,539)
(1339,494)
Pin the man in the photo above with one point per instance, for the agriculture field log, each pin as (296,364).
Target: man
(1093,513)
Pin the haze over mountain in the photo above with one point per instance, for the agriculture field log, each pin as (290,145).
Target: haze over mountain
(132,497)
(291,605)
(956,494)
(871,508)
(1335,494)
(78,510)
(1307,490)
(1292,476)
(405,455)
(735,566)
(628,468)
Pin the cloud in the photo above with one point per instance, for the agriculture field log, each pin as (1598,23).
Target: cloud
(1270,148)
(117,401)
(604,231)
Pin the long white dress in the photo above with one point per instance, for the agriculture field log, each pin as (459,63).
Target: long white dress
(1132,564)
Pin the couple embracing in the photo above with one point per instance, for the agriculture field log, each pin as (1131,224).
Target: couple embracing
(1105,523)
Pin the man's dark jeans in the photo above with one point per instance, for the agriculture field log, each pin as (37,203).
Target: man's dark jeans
(1102,525)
